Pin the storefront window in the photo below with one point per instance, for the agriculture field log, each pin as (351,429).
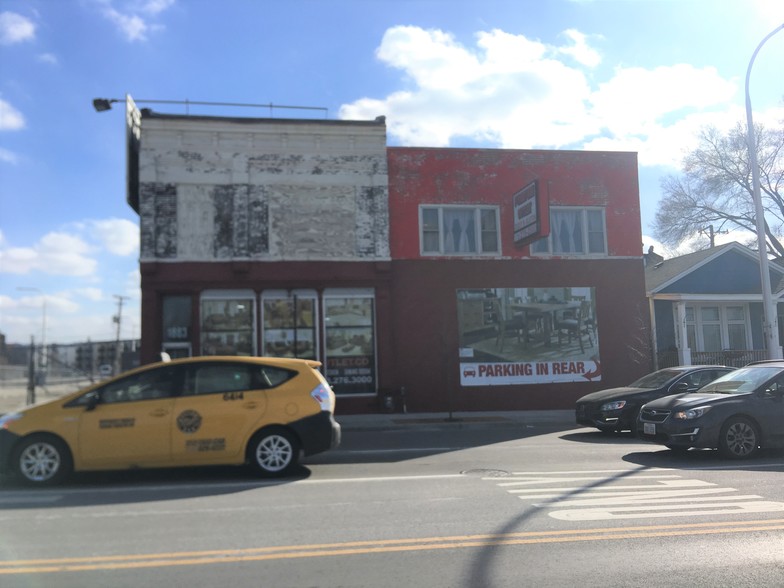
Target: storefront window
(350,337)
(227,323)
(289,324)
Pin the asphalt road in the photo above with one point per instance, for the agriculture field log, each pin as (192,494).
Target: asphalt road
(484,505)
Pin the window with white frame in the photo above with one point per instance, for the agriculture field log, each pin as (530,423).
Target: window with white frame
(574,231)
(459,230)
(717,327)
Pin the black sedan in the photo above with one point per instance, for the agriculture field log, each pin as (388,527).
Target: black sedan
(616,409)
(737,414)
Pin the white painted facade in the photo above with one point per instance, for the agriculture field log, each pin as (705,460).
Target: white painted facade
(227,189)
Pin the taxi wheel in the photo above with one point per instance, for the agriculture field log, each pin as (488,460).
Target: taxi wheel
(42,460)
(739,438)
(274,452)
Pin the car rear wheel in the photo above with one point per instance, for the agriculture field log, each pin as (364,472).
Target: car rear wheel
(739,438)
(274,452)
(42,460)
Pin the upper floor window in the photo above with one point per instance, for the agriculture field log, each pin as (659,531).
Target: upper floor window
(574,231)
(459,230)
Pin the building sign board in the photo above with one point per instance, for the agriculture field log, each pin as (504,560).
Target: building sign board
(531,215)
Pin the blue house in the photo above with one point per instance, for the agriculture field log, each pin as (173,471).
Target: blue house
(707,308)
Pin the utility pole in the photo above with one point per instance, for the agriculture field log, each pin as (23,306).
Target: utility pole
(31,373)
(118,319)
(711,234)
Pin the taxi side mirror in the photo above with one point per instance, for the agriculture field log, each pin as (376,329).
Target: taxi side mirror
(93,398)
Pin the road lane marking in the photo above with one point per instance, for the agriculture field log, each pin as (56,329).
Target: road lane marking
(191,558)
(617,495)
(682,510)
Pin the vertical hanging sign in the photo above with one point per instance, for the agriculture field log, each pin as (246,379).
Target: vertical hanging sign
(531,215)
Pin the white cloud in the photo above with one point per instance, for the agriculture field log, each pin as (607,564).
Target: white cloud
(525,97)
(581,51)
(132,26)
(48,58)
(91,294)
(10,118)
(155,6)
(7,156)
(15,28)
(118,236)
(133,284)
(514,92)
(56,253)
(771,10)
(636,99)
(72,251)
(134,22)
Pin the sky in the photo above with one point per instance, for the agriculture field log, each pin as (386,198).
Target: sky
(616,75)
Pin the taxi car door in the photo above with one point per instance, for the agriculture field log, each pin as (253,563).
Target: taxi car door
(218,408)
(129,422)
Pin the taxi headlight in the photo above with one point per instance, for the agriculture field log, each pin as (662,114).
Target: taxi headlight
(9,418)
(616,405)
(690,414)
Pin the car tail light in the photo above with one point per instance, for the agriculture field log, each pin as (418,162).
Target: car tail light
(324,396)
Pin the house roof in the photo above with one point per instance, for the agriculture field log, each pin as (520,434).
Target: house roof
(663,274)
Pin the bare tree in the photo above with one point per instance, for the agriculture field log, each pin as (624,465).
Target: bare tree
(715,188)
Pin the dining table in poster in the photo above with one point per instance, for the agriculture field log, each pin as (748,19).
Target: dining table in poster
(547,311)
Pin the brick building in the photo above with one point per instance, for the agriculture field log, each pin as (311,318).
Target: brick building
(403,270)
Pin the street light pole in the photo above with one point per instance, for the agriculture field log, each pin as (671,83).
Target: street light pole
(770,328)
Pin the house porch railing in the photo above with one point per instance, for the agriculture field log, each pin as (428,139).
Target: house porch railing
(729,357)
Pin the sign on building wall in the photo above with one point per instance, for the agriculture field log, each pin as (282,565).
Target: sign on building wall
(531,215)
(512,336)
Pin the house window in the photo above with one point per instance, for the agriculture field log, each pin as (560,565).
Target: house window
(717,327)
(574,231)
(459,230)
(736,327)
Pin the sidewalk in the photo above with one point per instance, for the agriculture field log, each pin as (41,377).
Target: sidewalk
(458,420)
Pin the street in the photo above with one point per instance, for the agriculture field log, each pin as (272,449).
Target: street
(479,504)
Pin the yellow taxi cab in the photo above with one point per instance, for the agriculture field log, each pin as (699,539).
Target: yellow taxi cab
(261,411)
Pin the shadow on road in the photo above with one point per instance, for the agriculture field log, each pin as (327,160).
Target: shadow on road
(701,459)
(596,436)
(138,486)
